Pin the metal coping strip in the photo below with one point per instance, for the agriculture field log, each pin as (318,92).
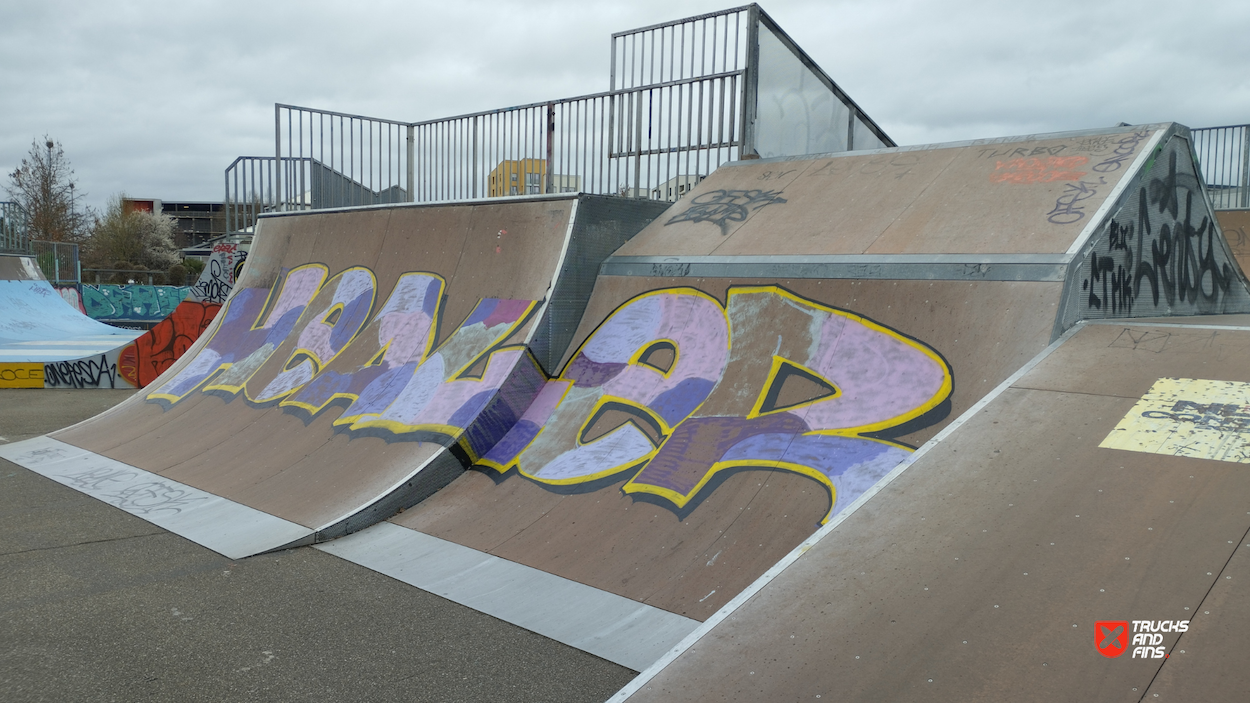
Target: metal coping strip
(943,145)
(1131,322)
(607,625)
(439,203)
(556,275)
(758,585)
(1114,195)
(227,527)
(1027,267)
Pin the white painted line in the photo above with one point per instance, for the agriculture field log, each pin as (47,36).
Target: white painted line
(222,525)
(613,627)
(643,678)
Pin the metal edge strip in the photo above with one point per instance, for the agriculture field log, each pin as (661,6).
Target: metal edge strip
(947,145)
(619,629)
(750,591)
(212,521)
(1132,322)
(1113,197)
(1043,268)
(556,275)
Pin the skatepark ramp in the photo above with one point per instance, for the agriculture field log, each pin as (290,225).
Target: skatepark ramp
(646,444)
(376,352)
(47,343)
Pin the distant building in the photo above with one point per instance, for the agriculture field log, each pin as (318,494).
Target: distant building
(195,222)
(527,177)
(674,188)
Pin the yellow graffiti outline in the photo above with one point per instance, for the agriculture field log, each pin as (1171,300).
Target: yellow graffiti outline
(618,468)
(939,396)
(820,477)
(398,428)
(517,457)
(321,364)
(778,362)
(683,290)
(636,359)
(266,310)
(497,345)
(377,358)
(355,420)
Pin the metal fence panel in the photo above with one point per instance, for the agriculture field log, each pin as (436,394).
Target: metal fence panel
(58,261)
(1224,155)
(13,222)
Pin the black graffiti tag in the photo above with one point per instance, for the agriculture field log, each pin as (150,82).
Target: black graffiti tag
(84,373)
(216,286)
(146,498)
(721,207)
(1175,255)
(1067,211)
(1125,148)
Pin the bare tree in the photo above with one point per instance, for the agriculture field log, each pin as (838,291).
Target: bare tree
(131,239)
(44,186)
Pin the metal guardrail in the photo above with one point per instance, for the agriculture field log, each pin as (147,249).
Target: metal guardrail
(684,97)
(13,225)
(1224,156)
(126,277)
(58,261)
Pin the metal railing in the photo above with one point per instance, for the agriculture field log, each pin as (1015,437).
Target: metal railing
(58,261)
(682,100)
(126,277)
(1224,156)
(13,224)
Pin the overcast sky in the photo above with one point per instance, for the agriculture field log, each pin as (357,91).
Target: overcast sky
(155,99)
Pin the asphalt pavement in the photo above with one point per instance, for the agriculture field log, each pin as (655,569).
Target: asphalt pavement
(98,605)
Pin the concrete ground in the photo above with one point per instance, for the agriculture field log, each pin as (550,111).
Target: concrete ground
(98,605)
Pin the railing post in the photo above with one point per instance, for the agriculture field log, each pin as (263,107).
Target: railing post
(1244,184)
(549,185)
(750,84)
(276,182)
(475,176)
(412,150)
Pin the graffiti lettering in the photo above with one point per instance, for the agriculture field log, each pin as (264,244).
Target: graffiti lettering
(150,355)
(1022,152)
(147,498)
(1166,243)
(313,347)
(1039,170)
(215,284)
(670,270)
(1124,150)
(673,388)
(131,302)
(1066,210)
(721,207)
(83,373)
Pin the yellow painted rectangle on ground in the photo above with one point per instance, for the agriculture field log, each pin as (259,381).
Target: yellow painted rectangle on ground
(1189,417)
(21,375)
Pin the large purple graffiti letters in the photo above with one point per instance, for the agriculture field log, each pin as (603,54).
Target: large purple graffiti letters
(677,389)
(313,342)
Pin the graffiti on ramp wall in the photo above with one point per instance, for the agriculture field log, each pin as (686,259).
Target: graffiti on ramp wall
(671,392)
(315,342)
(673,389)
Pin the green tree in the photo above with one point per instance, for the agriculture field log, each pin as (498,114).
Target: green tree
(143,240)
(43,184)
